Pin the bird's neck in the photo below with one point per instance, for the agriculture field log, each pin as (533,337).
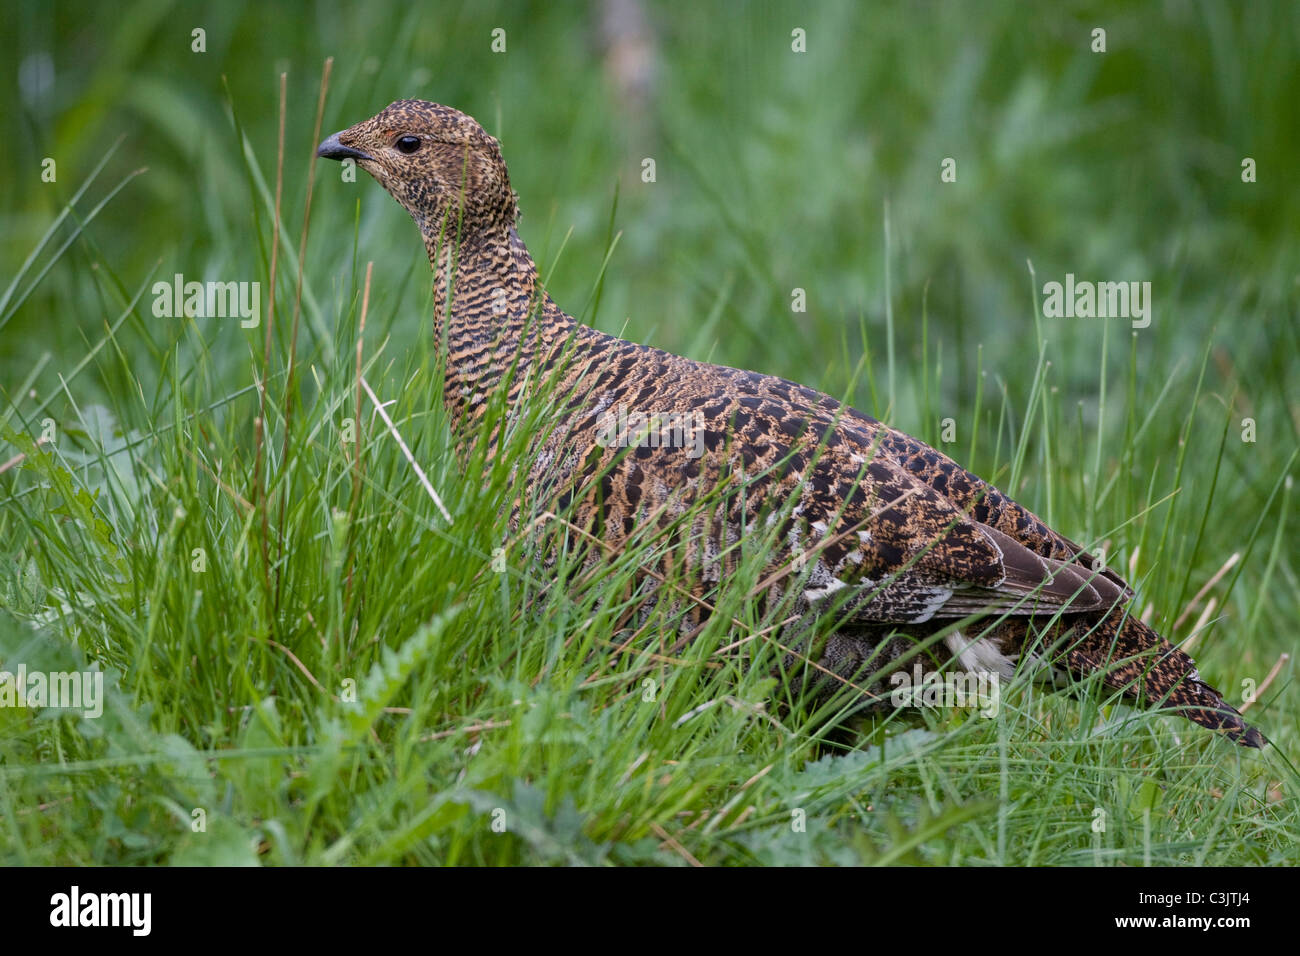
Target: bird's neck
(490,312)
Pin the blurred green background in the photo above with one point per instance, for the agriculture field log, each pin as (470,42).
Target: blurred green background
(773,168)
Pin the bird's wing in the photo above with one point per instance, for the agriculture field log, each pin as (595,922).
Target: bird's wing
(987,505)
(886,529)
(861,518)
(925,559)
(976,497)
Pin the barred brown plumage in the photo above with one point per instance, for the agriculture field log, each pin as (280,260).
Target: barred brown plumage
(906,539)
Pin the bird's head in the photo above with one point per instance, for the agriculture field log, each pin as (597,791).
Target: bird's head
(437,162)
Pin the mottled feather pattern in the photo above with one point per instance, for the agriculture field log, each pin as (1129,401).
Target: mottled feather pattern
(899,539)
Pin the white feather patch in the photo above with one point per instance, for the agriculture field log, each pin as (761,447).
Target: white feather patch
(980,655)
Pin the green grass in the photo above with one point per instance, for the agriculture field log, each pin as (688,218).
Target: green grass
(352,678)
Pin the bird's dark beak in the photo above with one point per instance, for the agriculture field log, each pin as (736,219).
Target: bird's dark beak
(333,149)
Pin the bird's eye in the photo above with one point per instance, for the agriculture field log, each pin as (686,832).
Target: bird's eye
(408,144)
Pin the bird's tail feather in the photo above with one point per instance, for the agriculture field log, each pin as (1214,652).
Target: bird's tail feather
(1136,660)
